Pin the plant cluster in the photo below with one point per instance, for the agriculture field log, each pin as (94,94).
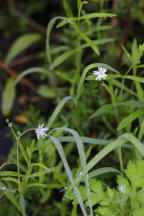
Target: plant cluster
(71,157)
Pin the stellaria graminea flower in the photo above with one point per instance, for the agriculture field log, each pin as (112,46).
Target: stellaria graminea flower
(40,131)
(122,188)
(100,73)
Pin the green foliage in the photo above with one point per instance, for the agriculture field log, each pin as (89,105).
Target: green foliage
(126,199)
(103,119)
(21,44)
(8,97)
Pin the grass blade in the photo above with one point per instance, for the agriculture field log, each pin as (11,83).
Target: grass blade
(118,142)
(103,170)
(107,108)
(68,171)
(129,119)
(49,29)
(58,109)
(30,71)
(60,59)
(82,157)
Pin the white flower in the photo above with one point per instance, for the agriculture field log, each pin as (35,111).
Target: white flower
(100,73)
(3,188)
(122,188)
(40,131)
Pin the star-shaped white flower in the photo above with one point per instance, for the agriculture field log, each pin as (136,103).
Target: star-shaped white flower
(122,188)
(100,73)
(40,131)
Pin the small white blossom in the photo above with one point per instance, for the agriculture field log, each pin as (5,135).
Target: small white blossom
(122,188)
(6,189)
(100,73)
(3,188)
(40,131)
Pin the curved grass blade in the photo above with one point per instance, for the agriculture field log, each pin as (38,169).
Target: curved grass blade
(30,71)
(21,44)
(86,70)
(10,173)
(141,133)
(132,103)
(49,29)
(103,170)
(85,140)
(135,78)
(86,16)
(118,142)
(129,119)
(82,157)
(68,171)
(119,84)
(60,59)
(90,140)
(58,109)
(102,110)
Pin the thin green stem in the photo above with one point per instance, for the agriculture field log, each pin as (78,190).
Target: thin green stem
(31,129)
(18,167)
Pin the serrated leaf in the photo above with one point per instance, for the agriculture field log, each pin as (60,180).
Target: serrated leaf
(8,97)
(135,173)
(21,44)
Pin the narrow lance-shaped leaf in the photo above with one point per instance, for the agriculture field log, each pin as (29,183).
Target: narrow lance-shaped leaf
(21,44)
(82,157)
(67,9)
(49,29)
(60,59)
(130,119)
(30,71)
(68,171)
(58,109)
(8,97)
(86,16)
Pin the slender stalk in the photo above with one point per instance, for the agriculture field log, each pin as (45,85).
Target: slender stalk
(18,167)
